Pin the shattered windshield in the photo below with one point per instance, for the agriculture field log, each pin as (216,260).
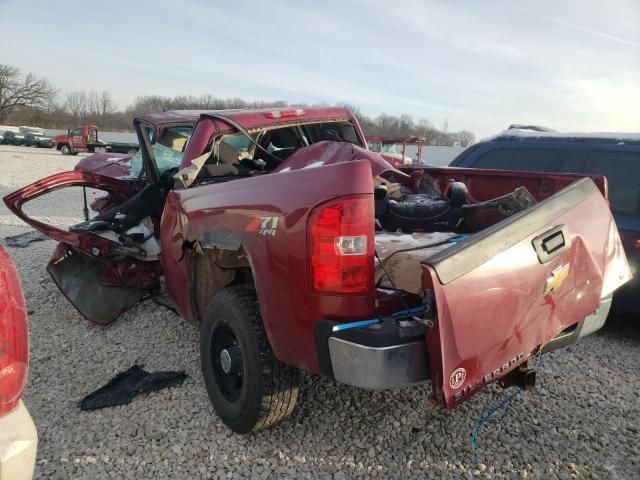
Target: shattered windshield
(167,151)
(166,159)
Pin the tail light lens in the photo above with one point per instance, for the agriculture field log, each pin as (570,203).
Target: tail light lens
(14,336)
(341,246)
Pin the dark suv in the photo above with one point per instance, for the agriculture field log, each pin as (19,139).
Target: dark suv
(37,140)
(13,138)
(614,155)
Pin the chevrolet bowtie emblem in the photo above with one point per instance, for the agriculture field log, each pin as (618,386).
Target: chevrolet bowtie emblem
(555,280)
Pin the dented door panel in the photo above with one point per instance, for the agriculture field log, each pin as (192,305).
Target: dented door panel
(100,283)
(121,189)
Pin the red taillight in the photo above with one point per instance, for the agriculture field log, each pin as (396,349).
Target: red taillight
(14,336)
(341,246)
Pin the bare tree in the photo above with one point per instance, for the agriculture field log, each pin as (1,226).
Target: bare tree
(107,104)
(93,103)
(77,103)
(464,138)
(22,91)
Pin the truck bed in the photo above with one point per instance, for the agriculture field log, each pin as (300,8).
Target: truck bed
(399,257)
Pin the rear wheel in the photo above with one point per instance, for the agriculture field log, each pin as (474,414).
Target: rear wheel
(248,387)
(65,150)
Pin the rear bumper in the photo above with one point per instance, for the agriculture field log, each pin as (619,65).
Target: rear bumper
(592,323)
(374,368)
(374,357)
(383,355)
(18,444)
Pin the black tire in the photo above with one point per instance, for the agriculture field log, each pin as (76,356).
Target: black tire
(264,391)
(65,150)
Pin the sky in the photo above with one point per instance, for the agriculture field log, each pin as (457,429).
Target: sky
(572,65)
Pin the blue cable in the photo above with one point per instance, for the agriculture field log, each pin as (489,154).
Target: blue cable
(486,417)
(365,323)
(408,311)
(537,360)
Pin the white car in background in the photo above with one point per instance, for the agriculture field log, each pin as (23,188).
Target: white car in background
(18,436)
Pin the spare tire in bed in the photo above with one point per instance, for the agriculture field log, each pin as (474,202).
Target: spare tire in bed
(420,213)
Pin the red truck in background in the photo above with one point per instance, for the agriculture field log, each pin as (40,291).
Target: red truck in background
(85,139)
(263,227)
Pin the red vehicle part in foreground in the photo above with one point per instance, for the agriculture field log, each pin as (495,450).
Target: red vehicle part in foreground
(14,336)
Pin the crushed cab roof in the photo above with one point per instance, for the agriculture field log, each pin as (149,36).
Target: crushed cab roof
(246,116)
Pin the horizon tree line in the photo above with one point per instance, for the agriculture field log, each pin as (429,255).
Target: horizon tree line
(32,100)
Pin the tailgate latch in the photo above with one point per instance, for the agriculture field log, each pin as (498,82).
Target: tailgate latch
(552,243)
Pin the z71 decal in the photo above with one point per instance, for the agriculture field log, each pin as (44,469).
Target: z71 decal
(263,225)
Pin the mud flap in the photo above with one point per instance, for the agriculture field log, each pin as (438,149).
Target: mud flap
(78,277)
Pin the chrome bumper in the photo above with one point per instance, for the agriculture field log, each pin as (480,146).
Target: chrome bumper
(592,323)
(374,368)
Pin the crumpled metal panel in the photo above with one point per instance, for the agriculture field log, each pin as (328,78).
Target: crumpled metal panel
(78,277)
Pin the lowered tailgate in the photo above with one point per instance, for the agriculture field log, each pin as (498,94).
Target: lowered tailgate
(513,287)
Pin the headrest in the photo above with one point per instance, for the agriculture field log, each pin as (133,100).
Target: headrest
(284,137)
(173,140)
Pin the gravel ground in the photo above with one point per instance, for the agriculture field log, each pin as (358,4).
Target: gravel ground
(581,422)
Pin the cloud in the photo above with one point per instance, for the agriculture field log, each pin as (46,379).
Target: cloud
(580,27)
(479,65)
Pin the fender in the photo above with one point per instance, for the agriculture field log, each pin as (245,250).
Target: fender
(267,217)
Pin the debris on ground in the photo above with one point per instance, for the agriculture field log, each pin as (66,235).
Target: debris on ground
(126,385)
(24,239)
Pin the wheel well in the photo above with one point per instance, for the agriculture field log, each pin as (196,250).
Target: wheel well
(213,269)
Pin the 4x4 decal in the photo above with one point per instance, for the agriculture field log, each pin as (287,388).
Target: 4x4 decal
(263,225)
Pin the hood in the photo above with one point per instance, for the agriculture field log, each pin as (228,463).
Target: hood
(115,165)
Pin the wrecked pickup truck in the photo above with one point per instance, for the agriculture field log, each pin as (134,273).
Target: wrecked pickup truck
(293,247)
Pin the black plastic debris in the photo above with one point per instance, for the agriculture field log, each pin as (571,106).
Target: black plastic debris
(24,239)
(126,385)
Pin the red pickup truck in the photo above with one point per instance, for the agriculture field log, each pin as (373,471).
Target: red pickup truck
(263,228)
(85,139)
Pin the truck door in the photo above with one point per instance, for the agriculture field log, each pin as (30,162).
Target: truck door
(100,265)
(76,139)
